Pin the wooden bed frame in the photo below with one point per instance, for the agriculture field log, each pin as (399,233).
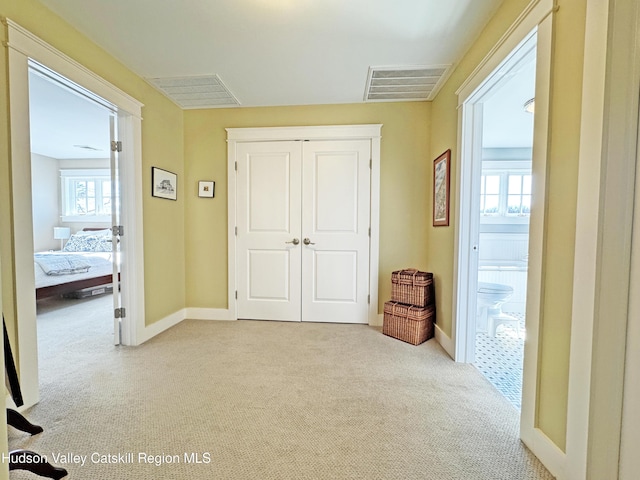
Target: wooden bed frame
(68,287)
(61,289)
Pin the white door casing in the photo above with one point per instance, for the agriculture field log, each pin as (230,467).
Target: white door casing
(303,222)
(538,16)
(23,47)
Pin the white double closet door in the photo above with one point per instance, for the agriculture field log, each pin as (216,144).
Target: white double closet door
(303,220)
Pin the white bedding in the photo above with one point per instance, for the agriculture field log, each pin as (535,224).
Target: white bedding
(100,264)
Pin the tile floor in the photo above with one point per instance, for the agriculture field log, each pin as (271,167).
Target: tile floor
(499,359)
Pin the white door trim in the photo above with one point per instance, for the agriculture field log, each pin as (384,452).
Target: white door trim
(538,15)
(22,46)
(605,216)
(331,132)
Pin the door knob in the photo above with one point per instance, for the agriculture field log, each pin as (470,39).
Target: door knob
(295,241)
(306,241)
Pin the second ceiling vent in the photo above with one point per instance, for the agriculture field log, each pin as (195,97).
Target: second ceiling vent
(415,83)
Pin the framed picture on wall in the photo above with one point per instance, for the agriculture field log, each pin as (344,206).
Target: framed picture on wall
(164,184)
(206,189)
(441,182)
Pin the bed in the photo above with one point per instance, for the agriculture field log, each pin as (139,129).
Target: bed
(86,262)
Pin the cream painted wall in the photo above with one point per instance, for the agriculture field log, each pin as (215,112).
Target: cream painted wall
(185,241)
(404,171)
(45,182)
(567,61)
(162,146)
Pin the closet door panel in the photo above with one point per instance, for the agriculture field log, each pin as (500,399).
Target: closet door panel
(335,226)
(268,220)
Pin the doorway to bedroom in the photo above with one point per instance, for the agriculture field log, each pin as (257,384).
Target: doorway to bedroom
(75,201)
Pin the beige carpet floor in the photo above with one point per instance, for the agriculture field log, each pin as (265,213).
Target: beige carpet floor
(264,400)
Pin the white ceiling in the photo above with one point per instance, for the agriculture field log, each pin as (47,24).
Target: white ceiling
(268,52)
(505,122)
(279,52)
(63,124)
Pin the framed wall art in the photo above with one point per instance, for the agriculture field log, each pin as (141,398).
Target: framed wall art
(206,189)
(441,187)
(164,184)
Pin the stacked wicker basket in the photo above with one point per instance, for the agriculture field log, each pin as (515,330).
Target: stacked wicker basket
(411,313)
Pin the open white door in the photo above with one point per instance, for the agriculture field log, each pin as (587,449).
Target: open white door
(118,310)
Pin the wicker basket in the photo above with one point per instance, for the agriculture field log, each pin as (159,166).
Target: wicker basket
(408,323)
(412,287)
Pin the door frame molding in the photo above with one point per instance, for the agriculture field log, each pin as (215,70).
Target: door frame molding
(329,132)
(605,241)
(22,46)
(537,15)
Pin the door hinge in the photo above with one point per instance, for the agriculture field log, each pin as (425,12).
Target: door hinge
(236,230)
(120,312)
(370,163)
(236,166)
(369,231)
(117,230)
(116,146)
(236,294)
(368,299)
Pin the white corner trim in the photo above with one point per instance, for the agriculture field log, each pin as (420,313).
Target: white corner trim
(445,341)
(161,325)
(193,313)
(547,452)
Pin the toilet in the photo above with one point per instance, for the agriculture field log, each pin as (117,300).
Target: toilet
(491,297)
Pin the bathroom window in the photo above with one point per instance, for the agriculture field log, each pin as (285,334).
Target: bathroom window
(505,194)
(490,195)
(86,195)
(518,194)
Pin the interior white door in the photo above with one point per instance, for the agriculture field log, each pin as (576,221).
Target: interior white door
(269,225)
(303,218)
(115,221)
(335,229)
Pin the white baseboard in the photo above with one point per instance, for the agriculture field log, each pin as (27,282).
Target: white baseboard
(445,342)
(209,314)
(548,453)
(161,325)
(169,321)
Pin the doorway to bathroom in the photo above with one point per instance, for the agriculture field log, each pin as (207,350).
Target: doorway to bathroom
(499,205)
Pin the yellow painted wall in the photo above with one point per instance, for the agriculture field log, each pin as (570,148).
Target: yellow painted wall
(162,146)
(185,241)
(567,62)
(405,162)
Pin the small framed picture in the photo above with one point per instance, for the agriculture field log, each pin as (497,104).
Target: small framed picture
(206,189)
(164,184)
(441,173)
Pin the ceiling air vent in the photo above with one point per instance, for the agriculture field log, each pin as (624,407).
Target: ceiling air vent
(400,84)
(206,91)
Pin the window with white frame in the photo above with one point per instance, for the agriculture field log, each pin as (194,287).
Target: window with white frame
(86,195)
(505,194)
